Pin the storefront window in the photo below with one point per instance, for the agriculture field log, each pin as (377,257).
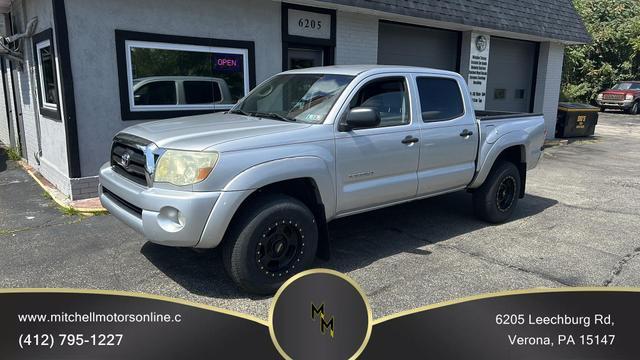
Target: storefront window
(176,76)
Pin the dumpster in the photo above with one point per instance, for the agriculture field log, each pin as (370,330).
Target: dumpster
(576,120)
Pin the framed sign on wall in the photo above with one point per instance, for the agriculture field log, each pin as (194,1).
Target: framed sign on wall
(308,36)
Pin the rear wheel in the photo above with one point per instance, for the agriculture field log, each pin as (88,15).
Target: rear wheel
(272,239)
(496,200)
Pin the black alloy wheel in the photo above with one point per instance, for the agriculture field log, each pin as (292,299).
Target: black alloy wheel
(280,248)
(272,238)
(506,193)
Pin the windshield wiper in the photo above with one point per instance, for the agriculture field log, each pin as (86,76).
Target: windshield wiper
(238,111)
(273,115)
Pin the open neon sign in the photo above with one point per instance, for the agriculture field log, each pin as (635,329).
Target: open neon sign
(227,62)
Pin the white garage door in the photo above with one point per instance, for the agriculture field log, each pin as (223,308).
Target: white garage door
(511,75)
(400,44)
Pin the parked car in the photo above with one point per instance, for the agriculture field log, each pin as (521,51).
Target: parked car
(623,96)
(180,90)
(307,147)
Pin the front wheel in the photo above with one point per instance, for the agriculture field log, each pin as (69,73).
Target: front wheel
(635,108)
(496,200)
(272,239)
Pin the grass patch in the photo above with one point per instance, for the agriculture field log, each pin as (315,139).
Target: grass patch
(47,196)
(14,154)
(69,211)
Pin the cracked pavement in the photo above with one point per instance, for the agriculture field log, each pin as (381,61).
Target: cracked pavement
(578,226)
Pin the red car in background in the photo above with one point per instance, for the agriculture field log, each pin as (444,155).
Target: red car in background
(624,95)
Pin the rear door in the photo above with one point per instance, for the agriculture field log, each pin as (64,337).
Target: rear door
(449,135)
(378,165)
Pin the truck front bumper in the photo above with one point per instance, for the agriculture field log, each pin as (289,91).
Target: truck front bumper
(167,217)
(613,104)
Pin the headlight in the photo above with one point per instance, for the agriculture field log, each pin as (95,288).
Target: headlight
(599,97)
(184,167)
(629,97)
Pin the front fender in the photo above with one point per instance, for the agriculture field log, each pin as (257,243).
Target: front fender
(244,184)
(489,152)
(286,169)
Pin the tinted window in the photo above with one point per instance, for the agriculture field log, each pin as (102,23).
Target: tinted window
(201,92)
(440,99)
(389,97)
(48,76)
(156,93)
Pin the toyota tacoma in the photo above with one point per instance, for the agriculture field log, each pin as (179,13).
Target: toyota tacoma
(309,146)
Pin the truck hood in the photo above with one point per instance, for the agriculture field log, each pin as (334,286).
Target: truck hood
(197,133)
(620,92)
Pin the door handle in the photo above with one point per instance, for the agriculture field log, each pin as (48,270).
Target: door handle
(466,133)
(410,140)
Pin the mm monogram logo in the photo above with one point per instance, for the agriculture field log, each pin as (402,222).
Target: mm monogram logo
(324,323)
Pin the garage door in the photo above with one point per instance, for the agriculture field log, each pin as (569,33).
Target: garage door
(511,72)
(400,44)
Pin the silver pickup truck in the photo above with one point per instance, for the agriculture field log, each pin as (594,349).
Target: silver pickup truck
(306,147)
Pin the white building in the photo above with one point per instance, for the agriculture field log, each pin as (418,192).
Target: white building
(93,67)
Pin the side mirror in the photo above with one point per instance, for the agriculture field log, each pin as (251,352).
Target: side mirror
(361,117)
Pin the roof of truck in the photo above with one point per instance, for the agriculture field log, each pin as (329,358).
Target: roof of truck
(354,70)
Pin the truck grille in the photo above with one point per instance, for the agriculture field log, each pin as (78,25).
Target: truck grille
(616,97)
(128,158)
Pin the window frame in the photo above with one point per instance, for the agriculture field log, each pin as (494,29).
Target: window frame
(125,40)
(460,92)
(365,82)
(40,41)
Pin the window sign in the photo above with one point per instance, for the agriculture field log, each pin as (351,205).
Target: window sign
(166,76)
(228,62)
(309,24)
(478,69)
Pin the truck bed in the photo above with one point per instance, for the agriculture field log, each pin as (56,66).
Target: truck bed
(499,115)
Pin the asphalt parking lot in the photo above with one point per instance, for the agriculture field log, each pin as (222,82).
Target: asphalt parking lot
(578,226)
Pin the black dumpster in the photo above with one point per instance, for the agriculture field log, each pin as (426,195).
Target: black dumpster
(576,120)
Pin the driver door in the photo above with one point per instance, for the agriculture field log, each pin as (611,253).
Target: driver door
(377,166)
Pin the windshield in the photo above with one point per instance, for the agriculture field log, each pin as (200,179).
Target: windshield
(627,86)
(295,97)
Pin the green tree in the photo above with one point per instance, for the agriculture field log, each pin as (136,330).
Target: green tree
(614,54)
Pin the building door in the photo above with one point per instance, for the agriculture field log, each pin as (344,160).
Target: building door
(403,44)
(301,57)
(308,36)
(511,74)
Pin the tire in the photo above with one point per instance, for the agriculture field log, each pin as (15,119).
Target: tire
(496,200)
(272,239)
(603,109)
(635,108)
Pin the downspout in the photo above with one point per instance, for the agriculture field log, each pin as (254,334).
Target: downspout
(30,70)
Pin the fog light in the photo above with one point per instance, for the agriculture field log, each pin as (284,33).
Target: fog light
(171,219)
